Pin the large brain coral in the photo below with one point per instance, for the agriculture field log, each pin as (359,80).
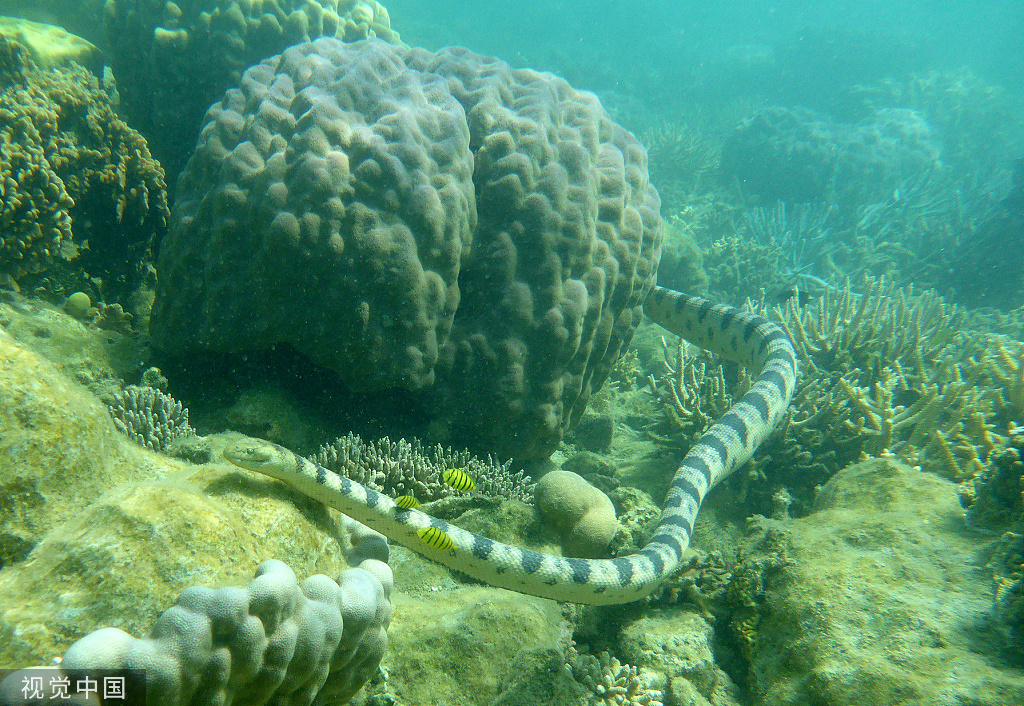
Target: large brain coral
(172,59)
(433,222)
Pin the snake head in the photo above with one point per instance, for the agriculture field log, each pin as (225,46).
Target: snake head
(253,454)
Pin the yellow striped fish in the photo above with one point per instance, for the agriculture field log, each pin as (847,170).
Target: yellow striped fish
(407,501)
(433,537)
(458,479)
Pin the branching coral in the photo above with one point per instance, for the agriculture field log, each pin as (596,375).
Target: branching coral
(740,267)
(1004,365)
(149,417)
(844,332)
(402,468)
(883,372)
(692,390)
(611,682)
(682,159)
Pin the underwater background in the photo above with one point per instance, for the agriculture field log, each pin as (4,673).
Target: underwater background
(436,260)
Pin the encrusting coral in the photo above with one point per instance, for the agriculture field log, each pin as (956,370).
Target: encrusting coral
(398,468)
(75,182)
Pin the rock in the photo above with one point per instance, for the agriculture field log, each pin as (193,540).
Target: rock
(886,602)
(51,46)
(96,531)
(458,647)
(595,432)
(680,648)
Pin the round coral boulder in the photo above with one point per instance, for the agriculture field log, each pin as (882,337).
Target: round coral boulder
(579,512)
(434,222)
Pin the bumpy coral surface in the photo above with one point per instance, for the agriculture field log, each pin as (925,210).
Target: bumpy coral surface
(292,642)
(75,180)
(171,60)
(434,222)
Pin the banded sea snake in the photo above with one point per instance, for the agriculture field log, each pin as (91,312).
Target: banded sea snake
(748,339)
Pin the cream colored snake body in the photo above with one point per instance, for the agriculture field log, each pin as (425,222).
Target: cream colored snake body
(748,339)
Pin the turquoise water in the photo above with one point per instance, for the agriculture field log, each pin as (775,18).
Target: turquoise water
(228,233)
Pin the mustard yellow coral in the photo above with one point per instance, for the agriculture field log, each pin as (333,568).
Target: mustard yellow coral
(75,180)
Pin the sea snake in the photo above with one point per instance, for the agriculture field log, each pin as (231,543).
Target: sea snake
(746,338)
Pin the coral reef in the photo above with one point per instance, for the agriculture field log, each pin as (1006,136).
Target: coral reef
(172,60)
(275,639)
(83,18)
(883,372)
(75,181)
(682,265)
(796,142)
(692,391)
(1008,576)
(977,120)
(995,248)
(149,417)
(683,160)
(402,468)
(480,235)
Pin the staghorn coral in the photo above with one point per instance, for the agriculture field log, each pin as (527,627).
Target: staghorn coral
(478,235)
(802,231)
(149,417)
(739,268)
(611,682)
(886,372)
(1008,577)
(683,161)
(75,182)
(845,332)
(173,59)
(402,468)
(692,391)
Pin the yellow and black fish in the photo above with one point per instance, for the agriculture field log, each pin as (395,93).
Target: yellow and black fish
(436,538)
(458,479)
(407,502)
